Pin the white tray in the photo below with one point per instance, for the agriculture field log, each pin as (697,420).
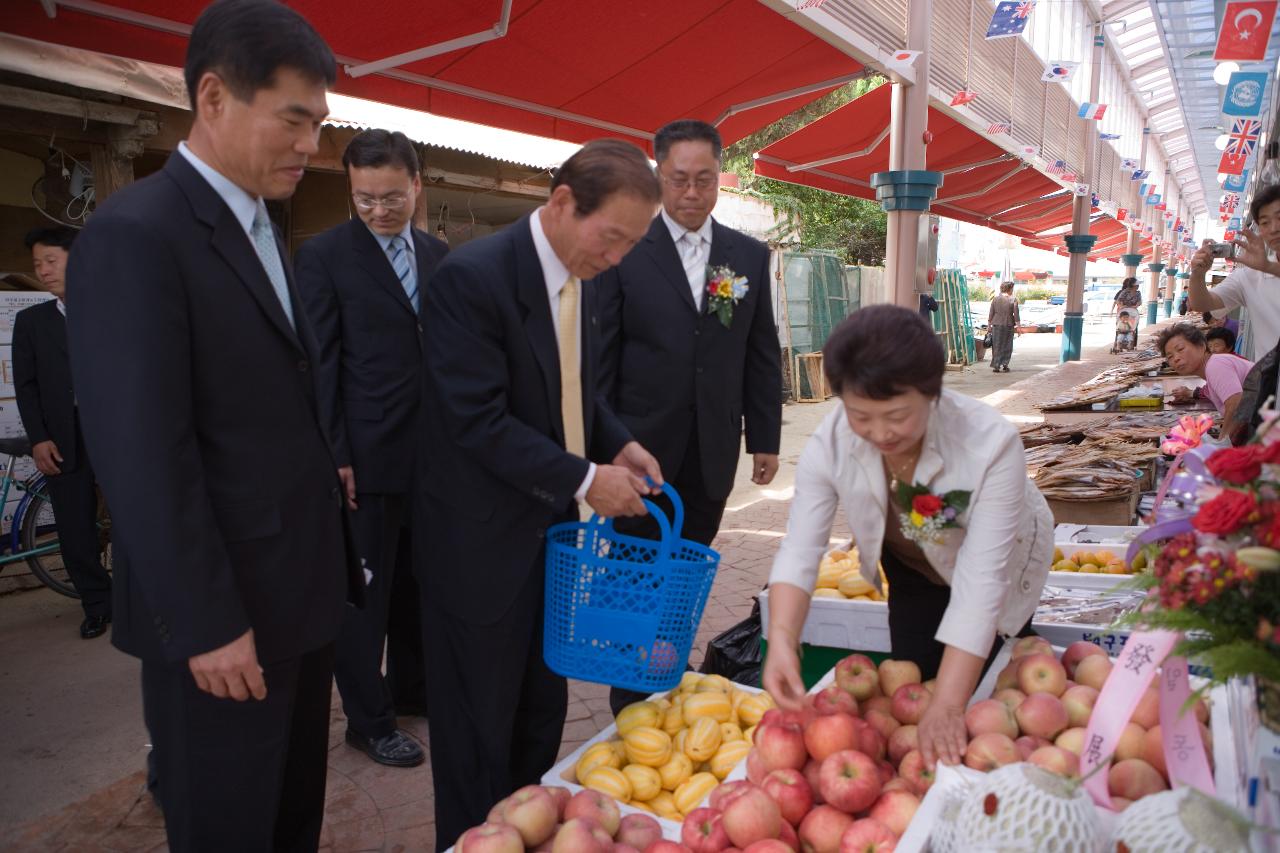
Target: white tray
(842,623)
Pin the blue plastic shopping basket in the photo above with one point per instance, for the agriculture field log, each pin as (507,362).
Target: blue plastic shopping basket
(621,610)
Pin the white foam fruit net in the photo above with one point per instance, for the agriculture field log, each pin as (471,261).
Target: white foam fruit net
(1180,821)
(1019,807)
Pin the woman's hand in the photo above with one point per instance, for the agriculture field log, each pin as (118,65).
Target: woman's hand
(1182,394)
(942,734)
(782,674)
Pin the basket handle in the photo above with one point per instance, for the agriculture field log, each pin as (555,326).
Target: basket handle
(677,519)
(670,530)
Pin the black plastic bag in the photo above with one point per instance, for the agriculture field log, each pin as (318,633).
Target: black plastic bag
(735,653)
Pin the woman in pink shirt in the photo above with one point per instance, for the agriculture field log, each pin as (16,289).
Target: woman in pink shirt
(1185,348)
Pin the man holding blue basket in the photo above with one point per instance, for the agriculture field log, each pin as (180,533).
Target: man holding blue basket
(513,420)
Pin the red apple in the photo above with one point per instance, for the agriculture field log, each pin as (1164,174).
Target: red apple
(726,791)
(850,780)
(897,783)
(1132,737)
(1153,751)
(887,772)
(990,715)
(832,700)
(1042,715)
(582,835)
(867,739)
(910,702)
(829,734)
(1008,677)
(639,831)
(813,775)
(491,838)
(1079,702)
(1027,646)
(756,769)
(619,847)
(665,846)
(1072,740)
(1076,652)
(1093,670)
(1027,744)
(902,741)
(1011,697)
(884,723)
(791,792)
(787,835)
(916,773)
(895,809)
(561,796)
(868,836)
(1134,778)
(822,828)
(895,673)
(770,845)
(1147,714)
(780,745)
(703,831)
(857,676)
(596,807)
(1055,759)
(533,813)
(752,816)
(1041,673)
(878,702)
(989,751)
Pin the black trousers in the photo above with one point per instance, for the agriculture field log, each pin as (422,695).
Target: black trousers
(406,669)
(916,607)
(498,712)
(245,776)
(702,516)
(381,534)
(75,507)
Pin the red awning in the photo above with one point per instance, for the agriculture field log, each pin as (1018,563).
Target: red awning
(1112,236)
(983,183)
(568,69)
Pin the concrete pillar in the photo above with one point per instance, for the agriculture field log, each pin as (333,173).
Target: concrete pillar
(1155,268)
(1171,280)
(907,189)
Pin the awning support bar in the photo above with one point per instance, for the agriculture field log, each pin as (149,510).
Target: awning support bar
(497,31)
(734,109)
(801,167)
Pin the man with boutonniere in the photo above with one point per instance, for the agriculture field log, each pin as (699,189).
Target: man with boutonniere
(690,352)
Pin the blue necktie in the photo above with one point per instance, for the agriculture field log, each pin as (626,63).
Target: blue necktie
(264,243)
(402,263)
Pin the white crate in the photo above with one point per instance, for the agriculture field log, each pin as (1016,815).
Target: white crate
(1086,580)
(842,623)
(1079,536)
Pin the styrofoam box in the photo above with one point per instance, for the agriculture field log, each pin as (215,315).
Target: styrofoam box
(1080,535)
(1086,580)
(842,623)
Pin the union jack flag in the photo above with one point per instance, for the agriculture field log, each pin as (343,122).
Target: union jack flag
(1244,136)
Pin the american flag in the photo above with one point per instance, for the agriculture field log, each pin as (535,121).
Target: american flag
(1057,167)
(1243,136)
(998,127)
(1010,18)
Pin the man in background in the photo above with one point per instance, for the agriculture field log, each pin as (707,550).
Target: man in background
(362,284)
(47,405)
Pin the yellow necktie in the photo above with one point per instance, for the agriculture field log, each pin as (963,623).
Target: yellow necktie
(570,371)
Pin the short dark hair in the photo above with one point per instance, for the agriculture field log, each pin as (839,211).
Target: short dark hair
(1006,285)
(1222,333)
(685,130)
(61,236)
(881,351)
(1269,194)
(372,148)
(1186,331)
(245,42)
(603,168)
(1128,282)
(1207,316)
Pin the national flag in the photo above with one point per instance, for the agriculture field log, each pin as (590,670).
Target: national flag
(1108,137)
(1059,71)
(998,127)
(1234,223)
(1094,201)
(1228,236)
(1092,111)
(1030,151)
(1010,18)
(1082,190)
(1160,205)
(964,96)
(1121,214)
(1236,183)
(1068,177)
(904,57)
(1232,164)
(1128,164)
(1244,94)
(1140,175)
(1243,137)
(1150,229)
(1153,199)
(1177,225)
(801,5)
(1057,167)
(1245,31)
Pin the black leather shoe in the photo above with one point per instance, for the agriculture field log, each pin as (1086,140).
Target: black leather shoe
(394,750)
(93,626)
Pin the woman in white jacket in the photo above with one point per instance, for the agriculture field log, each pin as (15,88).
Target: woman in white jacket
(934,487)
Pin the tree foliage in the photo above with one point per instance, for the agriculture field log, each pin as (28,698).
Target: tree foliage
(817,219)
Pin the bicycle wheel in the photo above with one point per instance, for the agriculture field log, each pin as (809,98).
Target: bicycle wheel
(39,529)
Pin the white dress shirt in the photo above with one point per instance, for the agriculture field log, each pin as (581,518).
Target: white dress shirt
(243,206)
(384,240)
(555,274)
(696,272)
(996,562)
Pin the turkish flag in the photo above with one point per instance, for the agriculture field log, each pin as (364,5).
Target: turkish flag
(1246,30)
(1232,164)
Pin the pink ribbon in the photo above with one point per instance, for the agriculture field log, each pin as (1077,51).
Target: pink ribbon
(1133,672)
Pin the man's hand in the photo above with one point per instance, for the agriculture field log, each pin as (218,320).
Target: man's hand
(616,491)
(764,466)
(231,670)
(47,458)
(1253,251)
(640,462)
(1203,258)
(347,475)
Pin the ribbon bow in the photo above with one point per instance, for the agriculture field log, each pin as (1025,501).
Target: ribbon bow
(1187,434)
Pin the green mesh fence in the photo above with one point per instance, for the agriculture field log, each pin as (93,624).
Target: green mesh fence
(818,296)
(952,320)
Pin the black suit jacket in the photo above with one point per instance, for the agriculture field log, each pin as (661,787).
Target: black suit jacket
(369,373)
(199,410)
(665,364)
(496,473)
(42,380)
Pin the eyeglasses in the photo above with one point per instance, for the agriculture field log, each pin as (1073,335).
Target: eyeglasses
(368,203)
(702,182)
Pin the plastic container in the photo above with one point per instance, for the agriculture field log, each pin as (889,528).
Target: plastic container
(842,623)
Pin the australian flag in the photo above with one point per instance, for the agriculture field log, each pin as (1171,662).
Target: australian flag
(1010,18)
(1140,175)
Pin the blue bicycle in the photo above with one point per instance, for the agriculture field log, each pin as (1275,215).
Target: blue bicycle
(33,533)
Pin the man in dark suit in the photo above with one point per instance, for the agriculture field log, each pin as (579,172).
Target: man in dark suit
(513,418)
(192,359)
(47,404)
(361,282)
(683,375)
